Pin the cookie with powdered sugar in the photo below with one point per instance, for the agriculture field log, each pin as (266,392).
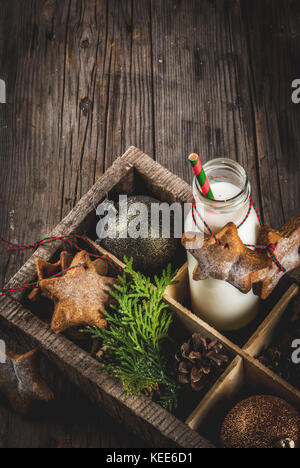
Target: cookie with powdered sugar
(287,251)
(225,257)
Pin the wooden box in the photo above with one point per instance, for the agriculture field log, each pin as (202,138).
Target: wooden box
(136,173)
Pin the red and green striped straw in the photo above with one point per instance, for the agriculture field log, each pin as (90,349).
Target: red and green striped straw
(201,176)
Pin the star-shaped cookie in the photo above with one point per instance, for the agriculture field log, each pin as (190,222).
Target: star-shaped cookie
(21,382)
(287,245)
(80,296)
(99,265)
(232,261)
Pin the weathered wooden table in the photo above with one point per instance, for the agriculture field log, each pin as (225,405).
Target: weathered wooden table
(88,78)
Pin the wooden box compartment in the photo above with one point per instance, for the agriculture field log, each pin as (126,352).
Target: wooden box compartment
(244,379)
(178,332)
(134,173)
(267,334)
(180,293)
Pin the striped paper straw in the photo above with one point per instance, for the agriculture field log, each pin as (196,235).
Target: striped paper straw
(201,176)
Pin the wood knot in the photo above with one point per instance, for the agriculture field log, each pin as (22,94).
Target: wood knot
(85,105)
(85,43)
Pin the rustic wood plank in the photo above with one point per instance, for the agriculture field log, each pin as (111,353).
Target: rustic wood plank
(55,134)
(129,116)
(272,37)
(230,96)
(83,98)
(8,173)
(200,101)
(87,427)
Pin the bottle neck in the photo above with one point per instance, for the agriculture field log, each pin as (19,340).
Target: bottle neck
(232,192)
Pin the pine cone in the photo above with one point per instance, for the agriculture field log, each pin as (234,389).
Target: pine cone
(278,359)
(200,362)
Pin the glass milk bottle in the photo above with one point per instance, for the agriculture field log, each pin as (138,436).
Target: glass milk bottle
(217,302)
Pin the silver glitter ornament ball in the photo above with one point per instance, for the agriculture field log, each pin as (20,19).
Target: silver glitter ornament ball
(150,251)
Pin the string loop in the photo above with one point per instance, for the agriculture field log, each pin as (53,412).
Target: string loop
(68,239)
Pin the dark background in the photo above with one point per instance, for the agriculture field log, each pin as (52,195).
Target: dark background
(88,78)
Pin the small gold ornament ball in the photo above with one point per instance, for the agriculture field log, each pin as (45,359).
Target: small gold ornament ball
(261,422)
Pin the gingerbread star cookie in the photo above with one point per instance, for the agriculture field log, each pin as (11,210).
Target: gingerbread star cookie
(80,296)
(287,243)
(99,265)
(232,261)
(21,382)
(46,270)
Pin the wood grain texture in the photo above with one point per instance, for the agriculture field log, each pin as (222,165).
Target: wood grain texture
(273,48)
(199,79)
(86,79)
(222,87)
(129,116)
(87,427)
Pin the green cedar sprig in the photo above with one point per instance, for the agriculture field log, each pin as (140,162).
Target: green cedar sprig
(138,325)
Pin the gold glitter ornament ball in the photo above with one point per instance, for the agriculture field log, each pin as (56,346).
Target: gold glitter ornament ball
(260,422)
(151,252)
